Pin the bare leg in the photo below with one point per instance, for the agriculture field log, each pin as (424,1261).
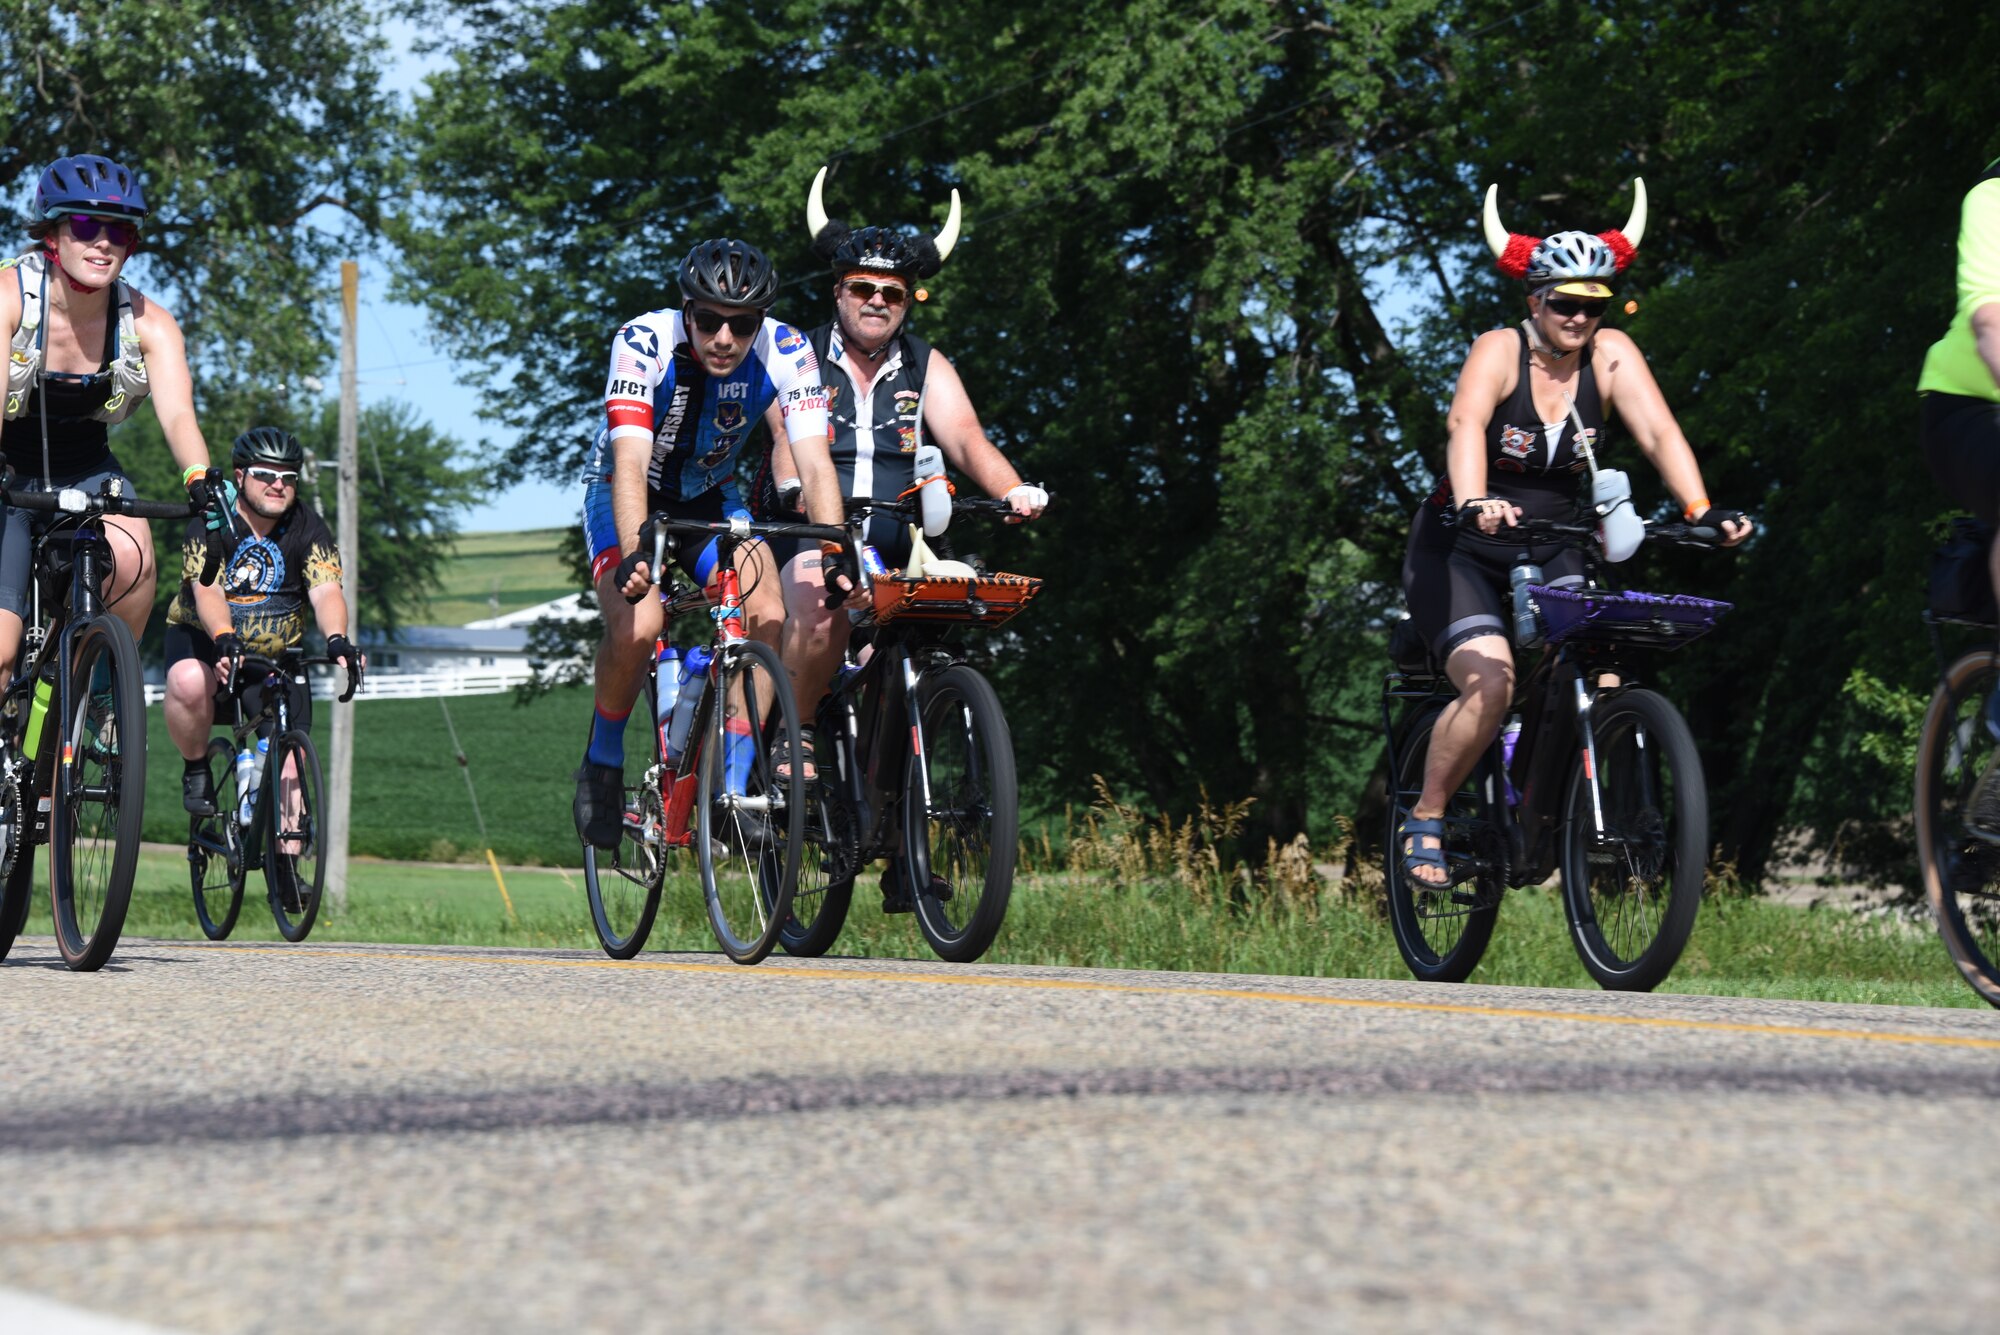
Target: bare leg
(1483,671)
(815,635)
(190,706)
(10,646)
(128,590)
(627,647)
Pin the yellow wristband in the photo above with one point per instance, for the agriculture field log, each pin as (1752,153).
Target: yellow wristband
(1695,508)
(191,472)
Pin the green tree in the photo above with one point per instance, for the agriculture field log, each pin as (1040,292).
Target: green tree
(259,128)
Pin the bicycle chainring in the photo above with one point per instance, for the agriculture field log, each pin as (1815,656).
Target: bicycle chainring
(13,826)
(841,840)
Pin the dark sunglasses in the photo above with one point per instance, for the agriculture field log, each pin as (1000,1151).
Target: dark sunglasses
(273,477)
(85,227)
(710,322)
(1568,306)
(893,294)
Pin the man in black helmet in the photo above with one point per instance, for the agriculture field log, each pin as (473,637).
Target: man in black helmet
(887,393)
(686,386)
(279,558)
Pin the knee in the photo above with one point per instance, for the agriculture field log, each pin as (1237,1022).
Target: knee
(188,684)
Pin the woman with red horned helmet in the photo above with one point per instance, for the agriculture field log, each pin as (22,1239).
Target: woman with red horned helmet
(1529,411)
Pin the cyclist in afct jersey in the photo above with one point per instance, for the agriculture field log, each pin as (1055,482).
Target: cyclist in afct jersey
(887,391)
(1514,453)
(685,388)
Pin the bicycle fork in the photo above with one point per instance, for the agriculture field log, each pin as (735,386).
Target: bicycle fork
(1587,740)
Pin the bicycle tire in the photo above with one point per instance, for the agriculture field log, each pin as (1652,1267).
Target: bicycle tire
(625,900)
(966,832)
(295,876)
(218,898)
(94,827)
(748,844)
(1632,897)
(1442,934)
(1957,781)
(827,865)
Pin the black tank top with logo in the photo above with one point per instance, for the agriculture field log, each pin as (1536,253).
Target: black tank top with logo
(1539,470)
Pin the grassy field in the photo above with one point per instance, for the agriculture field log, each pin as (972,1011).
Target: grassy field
(1741,947)
(492,573)
(410,797)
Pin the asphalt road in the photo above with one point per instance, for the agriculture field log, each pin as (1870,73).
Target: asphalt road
(402,1138)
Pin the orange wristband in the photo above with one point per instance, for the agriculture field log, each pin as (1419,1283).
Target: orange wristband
(1695,508)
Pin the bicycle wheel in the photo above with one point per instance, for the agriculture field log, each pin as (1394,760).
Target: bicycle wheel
(100,794)
(1441,932)
(961,815)
(624,886)
(1958,820)
(827,864)
(17,853)
(750,822)
(1632,892)
(217,878)
(294,819)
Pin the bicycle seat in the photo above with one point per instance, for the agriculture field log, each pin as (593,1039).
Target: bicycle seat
(1408,651)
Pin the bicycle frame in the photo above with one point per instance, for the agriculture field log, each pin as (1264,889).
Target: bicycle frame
(678,788)
(277,714)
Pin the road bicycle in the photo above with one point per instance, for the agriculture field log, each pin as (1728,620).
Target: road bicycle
(1957,799)
(279,828)
(913,757)
(73,729)
(1601,780)
(733,790)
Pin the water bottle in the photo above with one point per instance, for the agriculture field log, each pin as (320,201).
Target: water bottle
(1527,631)
(1619,528)
(695,673)
(933,502)
(249,772)
(666,683)
(38,717)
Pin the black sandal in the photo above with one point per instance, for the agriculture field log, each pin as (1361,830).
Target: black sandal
(1411,832)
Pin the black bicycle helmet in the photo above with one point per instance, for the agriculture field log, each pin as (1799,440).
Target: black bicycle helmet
(267,445)
(881,249)
(89,183)
(729,273)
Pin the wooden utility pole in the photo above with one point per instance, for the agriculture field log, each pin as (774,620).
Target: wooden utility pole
(340,782)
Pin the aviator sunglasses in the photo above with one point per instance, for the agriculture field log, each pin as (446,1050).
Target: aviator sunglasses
(275,477)
(1568,306)
(710,322)
(85,227)
(892,293)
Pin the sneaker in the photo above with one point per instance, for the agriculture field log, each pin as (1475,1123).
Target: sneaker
(600,805)
(198,790)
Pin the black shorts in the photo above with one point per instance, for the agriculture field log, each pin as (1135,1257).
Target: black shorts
(1457,585)
(1961,438)
(190,642)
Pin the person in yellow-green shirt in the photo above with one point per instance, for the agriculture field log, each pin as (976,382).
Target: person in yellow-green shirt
(1961,379)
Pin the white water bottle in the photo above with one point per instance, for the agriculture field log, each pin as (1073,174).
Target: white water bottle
(933,502)
(249,774)
(1619,528)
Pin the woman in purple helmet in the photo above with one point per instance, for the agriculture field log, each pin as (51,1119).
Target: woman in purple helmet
(86,349)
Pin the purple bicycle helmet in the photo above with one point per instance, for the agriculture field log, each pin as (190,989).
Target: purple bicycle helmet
(89,183)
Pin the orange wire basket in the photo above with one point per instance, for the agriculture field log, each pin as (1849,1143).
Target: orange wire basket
(987,600)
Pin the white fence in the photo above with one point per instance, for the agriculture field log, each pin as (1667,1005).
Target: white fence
(408,685)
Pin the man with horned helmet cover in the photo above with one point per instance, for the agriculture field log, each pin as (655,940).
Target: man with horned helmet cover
(686,385)
(888,392)
(1524,397)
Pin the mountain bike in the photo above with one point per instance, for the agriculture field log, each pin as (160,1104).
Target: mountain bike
(914,759)
(1601,780)
(279,827)
(1957,799)
(735,792)
(73,729)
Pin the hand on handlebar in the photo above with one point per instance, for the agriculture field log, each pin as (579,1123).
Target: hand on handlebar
(837,569)
(633,577)
(1028,501)
(216,494)
(1734,525)
(228,656)
(342,651)
(1488,512)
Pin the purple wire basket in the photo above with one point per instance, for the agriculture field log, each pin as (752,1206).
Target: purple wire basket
(1595,616)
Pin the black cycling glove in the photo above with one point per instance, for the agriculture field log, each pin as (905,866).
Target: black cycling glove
(625,570)
(229,649)
(339,646)
(216,494)
(835,563)
(1715,517)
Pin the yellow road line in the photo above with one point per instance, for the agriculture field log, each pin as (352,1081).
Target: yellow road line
(1228,993)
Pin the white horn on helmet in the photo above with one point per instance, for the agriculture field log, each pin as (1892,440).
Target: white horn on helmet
(949,236)
(816,218)
(1496,235)
(1635,226)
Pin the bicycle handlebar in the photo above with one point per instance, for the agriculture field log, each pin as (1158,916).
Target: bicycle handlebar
(1660,530)
(75,501)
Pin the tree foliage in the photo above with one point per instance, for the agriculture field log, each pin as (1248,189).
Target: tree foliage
(1220,265)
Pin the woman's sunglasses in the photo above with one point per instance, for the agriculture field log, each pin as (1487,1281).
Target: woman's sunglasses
(892,294)
(85,228)
(275,477)
(710,322)
(1568,306)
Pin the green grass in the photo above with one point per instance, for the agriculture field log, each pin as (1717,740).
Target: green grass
(1740,947)
(516,569)
(409,792)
